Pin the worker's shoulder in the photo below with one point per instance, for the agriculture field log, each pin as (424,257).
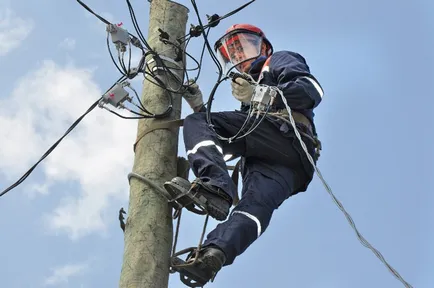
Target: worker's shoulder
(286,55)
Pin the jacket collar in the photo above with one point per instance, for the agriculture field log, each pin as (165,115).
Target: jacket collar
(256,67)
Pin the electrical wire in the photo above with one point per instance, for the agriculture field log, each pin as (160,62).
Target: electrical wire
(91,11)
(180,89)
(102,19)
(160,80)
(214,22)
(156,55)
(220,78)
(140,69)
(219,67)
(111,56)
(336,201)
(125,74)
(48,152)
(136,25)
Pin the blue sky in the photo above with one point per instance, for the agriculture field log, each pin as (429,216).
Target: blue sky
(375,63)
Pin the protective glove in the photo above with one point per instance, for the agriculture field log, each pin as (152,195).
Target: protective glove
(242,90)
(193,95)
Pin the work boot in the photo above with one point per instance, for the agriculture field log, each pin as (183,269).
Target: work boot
(210,261)
(216,202)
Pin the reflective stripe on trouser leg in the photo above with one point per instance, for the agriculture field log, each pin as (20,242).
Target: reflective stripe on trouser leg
(250,218)
(253,218)
(205,153)
(204,144)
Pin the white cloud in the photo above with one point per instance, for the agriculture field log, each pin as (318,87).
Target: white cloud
(68,44)
(13,30)
(61,275)
(38,189)
(95,157)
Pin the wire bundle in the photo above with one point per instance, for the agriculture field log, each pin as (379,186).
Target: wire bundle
(126,72)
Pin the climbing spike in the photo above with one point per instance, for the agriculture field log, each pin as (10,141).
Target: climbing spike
(189,275)
(179,190)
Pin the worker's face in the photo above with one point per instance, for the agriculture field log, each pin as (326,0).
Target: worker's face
(238,53)
(240,50)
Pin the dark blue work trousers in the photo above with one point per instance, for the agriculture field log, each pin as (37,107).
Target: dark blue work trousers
(273,168)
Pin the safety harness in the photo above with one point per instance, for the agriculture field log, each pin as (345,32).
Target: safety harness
(302,122)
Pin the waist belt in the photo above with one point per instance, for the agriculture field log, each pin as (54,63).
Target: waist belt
(303,120)
(297,116)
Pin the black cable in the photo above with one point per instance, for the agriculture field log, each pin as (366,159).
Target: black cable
(156,56)
(129,58)
(160,62)
(199,63)
(48,152)
(141,106)
(136,25)
(127,72)
(91,11)
(214,22)
(219,67)
(141,116)
(124,117)
(122,62)
(138,44)
(111,56)
(134,41)
(205,36)
(220,74)
(184,69)
(178,46)
(95,104)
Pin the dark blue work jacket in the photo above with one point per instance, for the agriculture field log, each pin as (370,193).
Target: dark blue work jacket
(290,73)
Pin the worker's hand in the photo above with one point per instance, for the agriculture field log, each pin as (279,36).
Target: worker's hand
(242,90)
(193,95)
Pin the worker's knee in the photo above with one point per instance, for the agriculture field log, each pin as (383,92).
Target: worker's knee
(196,124)
(260,197)
(194,119)
(195,128)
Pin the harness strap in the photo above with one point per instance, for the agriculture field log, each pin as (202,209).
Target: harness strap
(301,119)
(171,125)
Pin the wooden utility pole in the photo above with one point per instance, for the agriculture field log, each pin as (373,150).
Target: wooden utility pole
(149,229)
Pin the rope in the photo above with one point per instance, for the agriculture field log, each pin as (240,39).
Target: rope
(337,202)
(150,183)
(171,125)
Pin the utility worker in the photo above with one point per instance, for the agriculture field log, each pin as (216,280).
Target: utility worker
(273,163)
